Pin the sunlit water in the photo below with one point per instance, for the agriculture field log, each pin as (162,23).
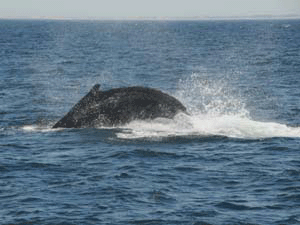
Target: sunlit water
(233,159)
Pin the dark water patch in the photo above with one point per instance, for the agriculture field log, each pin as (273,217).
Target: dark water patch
(238,207)
(276,207)
(15,146)
(244,223)
(145,153)
(241,163)
(161,197)
(295,162)
(186,169)
(30,199)
(232,184)
(39,165)
(292,172)
(29,166)
(101,207)
(284,181)
(160,222)
(166,176)
(126,195)
(201,223)
(70,206)
(122,176)
(261,190)
(23,213)
(62,221)
(96,178)
(291,220)
(3,168)
(148,222)
(290,188)
(63,182)
(120,155)
(127,168)
(67,62)
(290,198)
(22,222)
(203,213)
(2,113)
(8,195)
(276,148)
(262,61)
(111,196)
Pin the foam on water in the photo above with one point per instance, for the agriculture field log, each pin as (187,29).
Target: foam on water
(39,128)
(234,126)
(215,108)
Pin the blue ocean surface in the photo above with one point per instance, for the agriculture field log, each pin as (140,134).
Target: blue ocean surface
(234,160)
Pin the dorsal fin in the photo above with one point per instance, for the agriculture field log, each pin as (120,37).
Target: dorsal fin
(95,89)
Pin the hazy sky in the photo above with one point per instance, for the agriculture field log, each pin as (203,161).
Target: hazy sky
(149,8)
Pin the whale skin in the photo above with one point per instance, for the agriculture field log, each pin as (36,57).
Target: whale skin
(119,106)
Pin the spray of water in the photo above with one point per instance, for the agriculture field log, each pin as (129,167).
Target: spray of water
(215,110)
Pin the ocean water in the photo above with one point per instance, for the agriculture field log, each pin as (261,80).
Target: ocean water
(234,160)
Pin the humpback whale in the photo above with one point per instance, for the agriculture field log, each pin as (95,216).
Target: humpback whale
(120,106)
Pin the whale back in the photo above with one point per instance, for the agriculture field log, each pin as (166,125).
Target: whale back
(119,106)
(73,118)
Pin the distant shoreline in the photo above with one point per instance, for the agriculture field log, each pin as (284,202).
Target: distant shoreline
(162,18)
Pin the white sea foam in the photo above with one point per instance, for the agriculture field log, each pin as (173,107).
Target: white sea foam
(216,110)
(234,126)
(37,128)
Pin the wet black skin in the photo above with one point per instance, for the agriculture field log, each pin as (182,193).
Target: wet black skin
(120,106)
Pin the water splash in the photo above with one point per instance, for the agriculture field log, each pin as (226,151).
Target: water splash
(201,95)
(215,109)
(233,126)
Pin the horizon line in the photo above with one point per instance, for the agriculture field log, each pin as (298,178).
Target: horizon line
(157,18)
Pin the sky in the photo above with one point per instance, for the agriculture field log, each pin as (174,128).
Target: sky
(93,9)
